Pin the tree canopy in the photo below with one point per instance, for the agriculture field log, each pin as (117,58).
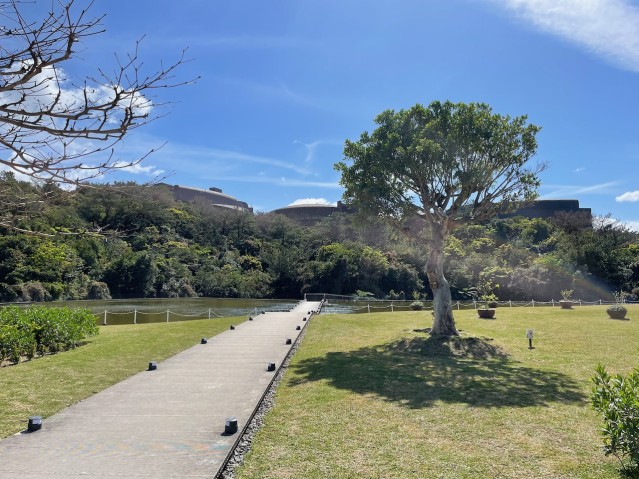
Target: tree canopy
(447,163)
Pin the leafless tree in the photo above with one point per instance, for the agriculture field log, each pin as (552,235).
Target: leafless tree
(52,128)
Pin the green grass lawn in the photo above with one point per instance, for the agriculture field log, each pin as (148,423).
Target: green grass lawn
(371,396)
(46,385)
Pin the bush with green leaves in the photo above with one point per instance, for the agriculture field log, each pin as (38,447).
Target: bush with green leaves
(417,305)
(25,332)
(616,398)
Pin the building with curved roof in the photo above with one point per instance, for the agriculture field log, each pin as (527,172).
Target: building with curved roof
(213,196)
(309,214)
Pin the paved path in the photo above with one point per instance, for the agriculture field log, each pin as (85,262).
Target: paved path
(166,423)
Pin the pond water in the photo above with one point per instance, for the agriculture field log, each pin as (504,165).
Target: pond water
(151,310)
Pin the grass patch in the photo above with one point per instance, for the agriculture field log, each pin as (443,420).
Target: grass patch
(373,396)
(46,385)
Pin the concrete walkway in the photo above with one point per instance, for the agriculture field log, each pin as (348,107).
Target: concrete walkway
(167,423)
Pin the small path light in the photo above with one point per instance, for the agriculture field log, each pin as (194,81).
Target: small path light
(529,335)
(204,341)
(230,426)
(250,318)
(232,328)
(298,328)
(304,319)
(270,367)
(35,423)
(153,366)
(289,341)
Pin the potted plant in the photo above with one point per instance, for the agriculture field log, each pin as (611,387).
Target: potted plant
(484,292)
(566,299)
(618,310)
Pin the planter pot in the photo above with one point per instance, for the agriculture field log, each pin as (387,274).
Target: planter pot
(486,313)
(565,304)
(616,314)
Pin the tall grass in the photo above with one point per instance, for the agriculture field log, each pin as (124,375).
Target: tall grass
(372,396)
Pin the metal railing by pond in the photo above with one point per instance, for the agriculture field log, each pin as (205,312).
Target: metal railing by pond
(353,304)
(111,318)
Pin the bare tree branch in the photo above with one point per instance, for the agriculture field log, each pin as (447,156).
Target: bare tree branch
(53,129)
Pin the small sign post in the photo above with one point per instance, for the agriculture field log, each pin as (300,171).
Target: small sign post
(529,335)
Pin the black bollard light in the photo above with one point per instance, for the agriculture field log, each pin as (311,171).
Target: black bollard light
(298,328)
(270,367)
(153,366)
(230,425)
(35,423)
(304,319)
(203,341)
(232,327)
(289,341)
(250,318)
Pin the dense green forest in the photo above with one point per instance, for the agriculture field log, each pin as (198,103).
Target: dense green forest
(136,241)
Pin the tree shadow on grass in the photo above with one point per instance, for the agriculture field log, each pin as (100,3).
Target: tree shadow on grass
(419,371)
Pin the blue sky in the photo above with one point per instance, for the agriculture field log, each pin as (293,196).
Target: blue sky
(284,83)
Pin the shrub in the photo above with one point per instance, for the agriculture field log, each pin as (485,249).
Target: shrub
(616,398)
(98,290)
(23,332)
(7,293)
(417,305)
(34,291)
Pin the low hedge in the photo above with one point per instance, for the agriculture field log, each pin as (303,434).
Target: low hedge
(41,330)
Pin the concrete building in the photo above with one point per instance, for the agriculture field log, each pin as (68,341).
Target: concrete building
(308,215)
(214,196)
(549,208)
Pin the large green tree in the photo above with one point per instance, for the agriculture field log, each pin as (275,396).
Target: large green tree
(447,163)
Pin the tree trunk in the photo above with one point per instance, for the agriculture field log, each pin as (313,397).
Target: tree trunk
(443,323)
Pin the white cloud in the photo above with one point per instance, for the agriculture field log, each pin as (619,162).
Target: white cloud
(282,181)
(312,147)
(313,201)
(578,170)
(278,91)
(138,169)
(631,225)
(629,196)
(566,191)
(198,160)
(608,28)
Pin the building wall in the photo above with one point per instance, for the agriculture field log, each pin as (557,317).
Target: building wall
(212,195)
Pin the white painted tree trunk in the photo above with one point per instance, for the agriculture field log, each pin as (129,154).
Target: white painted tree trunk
(443,322)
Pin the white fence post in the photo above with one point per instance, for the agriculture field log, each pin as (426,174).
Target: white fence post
(167,315)
(209,313)
(369,308)
(392,310)
(533,303)
(457,305)
(135,316)
(104,322)
(510,303)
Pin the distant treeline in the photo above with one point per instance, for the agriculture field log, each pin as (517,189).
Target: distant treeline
(134,241)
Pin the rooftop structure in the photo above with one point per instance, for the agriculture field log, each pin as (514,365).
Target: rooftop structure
(213,196)
(549,208)
(308,215)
